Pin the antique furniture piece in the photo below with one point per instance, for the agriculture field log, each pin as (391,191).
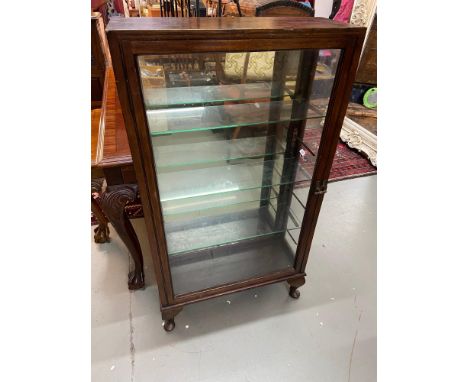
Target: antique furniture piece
(112,163)
(363,14)
(109,206)
(116,200)
(283,8)
(225,213)
(359,131)
(358,135)
(279,8)
(101,232)
(100,59)
(181,8)
(367,70)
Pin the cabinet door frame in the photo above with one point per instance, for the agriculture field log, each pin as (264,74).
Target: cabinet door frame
(127,45)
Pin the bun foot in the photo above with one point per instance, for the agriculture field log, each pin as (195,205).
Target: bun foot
(294,292)
(168,313)
(169,325)
(293,285)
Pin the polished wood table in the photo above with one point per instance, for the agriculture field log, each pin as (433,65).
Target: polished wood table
(114,190)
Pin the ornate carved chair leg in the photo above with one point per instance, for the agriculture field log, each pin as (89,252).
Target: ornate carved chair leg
(136,278)
(113,202)
(101,232)
(168,315)
(294,284)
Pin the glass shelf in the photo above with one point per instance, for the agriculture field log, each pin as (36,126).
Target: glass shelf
(232,196)
(183,183)
(199,204)
(184,154)
(224,226)
(158,98)
(169,121)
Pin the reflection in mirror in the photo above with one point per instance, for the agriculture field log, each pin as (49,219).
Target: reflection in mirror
(235,137)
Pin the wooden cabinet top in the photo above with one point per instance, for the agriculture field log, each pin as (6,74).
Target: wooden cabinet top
(232,27)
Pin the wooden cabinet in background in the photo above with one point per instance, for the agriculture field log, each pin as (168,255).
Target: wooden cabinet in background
(367,71)
(100,59)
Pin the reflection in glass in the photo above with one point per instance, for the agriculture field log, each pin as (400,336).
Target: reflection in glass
(235,138)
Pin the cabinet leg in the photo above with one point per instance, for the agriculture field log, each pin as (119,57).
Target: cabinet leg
(294,284)
(169,325)
(113,202)
(168,315)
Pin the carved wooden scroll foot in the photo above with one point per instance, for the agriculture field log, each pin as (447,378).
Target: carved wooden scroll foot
(101,232)
(113,202)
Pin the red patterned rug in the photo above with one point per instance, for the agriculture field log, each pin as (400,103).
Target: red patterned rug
(347,164)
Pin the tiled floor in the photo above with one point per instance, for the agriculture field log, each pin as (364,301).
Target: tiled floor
(329,334)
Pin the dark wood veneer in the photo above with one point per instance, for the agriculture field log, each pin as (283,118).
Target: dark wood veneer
(131,37)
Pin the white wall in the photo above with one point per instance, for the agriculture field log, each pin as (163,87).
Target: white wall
(323,8)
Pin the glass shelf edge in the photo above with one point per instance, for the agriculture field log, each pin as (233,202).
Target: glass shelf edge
(176,214)
(244,189)
(247,238)
(197,93)
(158,134)
(216,102)
(220,161)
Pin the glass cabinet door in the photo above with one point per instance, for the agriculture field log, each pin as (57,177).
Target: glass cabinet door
(235,137)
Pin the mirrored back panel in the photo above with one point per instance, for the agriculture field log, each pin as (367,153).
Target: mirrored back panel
(235,139)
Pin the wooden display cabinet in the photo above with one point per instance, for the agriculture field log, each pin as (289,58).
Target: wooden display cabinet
(216,112)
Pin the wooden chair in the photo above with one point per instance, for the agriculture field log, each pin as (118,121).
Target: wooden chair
(176,8)
(189,8)
(284,8)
